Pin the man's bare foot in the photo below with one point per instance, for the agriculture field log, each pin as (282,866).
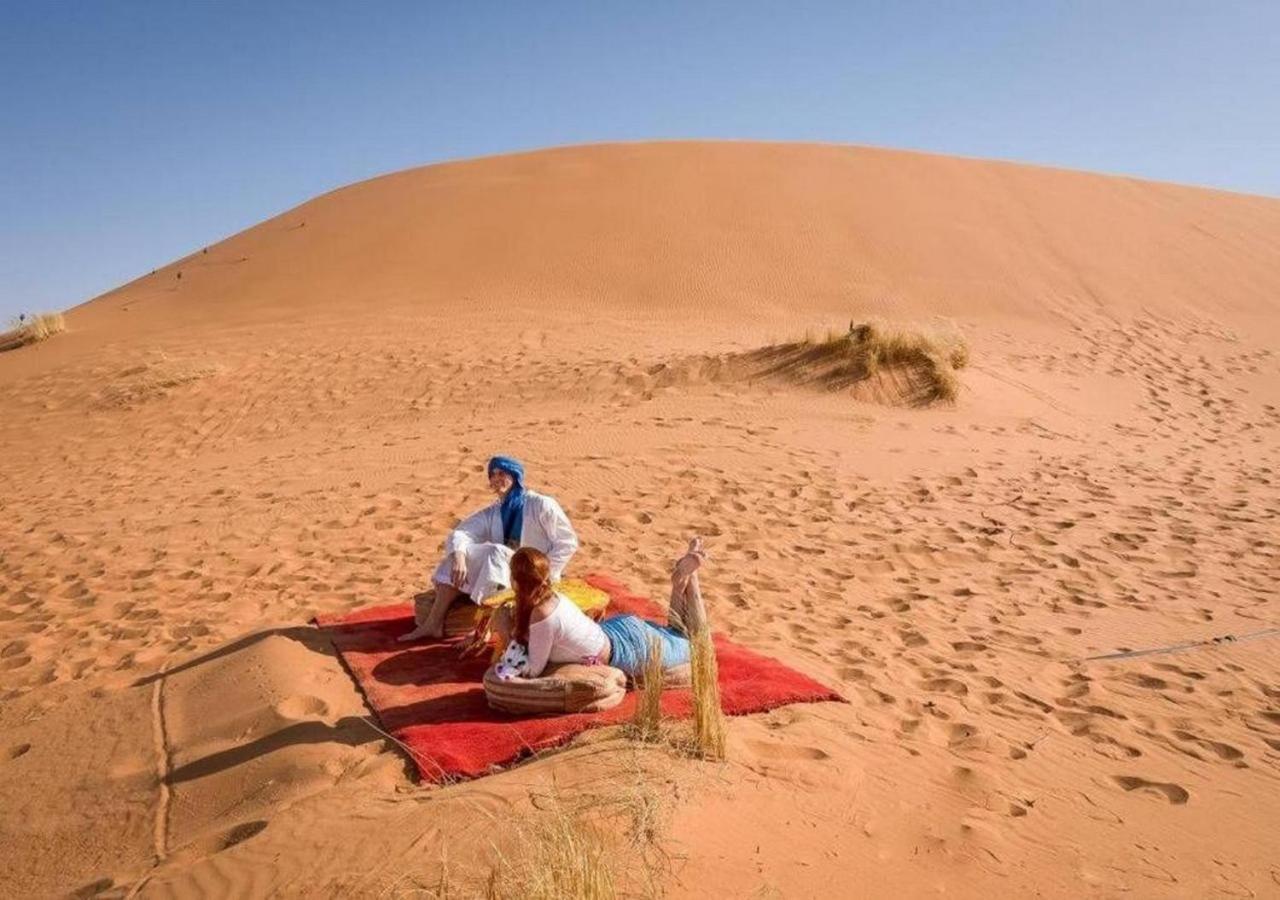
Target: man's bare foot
(422,631)
(417,632)
(429,611)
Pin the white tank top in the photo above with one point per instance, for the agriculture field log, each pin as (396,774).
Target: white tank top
(567,635)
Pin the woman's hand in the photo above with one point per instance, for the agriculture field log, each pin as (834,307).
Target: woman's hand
(477,642)
(458,573)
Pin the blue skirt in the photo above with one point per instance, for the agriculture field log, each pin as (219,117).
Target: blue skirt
(629,638)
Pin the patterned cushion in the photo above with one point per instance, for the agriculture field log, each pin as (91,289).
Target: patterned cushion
(567,688)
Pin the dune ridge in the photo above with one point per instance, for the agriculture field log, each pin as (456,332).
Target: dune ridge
(200,464)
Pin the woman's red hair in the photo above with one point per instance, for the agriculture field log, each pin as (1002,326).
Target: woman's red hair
(531,578)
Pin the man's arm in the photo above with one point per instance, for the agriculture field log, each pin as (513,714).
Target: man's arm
(560,533)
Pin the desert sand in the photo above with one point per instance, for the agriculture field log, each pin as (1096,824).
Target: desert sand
(288,421)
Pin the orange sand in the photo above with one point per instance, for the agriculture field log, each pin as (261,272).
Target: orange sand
(291,426)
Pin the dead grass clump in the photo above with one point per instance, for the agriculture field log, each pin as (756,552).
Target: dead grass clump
(32,330)
(708,714)
(558,855)
(958,354)
(151,380)
(937,356)
(647,721)
(587,844)
(899,366)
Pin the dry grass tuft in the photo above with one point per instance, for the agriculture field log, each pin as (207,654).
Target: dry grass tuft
(559,855)
(708,714)
(603,835)
(32,330)
(647,722)
(914,366)
(150,380)
(586,845)
(936,356)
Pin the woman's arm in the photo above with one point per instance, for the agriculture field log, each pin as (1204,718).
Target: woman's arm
(564,540)
(542,636)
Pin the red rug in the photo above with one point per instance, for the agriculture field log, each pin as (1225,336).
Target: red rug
(433,702)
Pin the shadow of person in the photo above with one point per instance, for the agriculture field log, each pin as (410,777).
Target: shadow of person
(466,704)
(435,662)
(351,731)
(314,638)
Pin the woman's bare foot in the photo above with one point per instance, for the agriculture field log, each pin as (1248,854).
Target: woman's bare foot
(688,564)
(686,609)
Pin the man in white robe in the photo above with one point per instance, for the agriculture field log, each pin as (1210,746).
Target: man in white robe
(478,551)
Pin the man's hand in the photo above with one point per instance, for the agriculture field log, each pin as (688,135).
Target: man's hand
(458,574)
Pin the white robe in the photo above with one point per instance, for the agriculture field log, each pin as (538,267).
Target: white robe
(479,536)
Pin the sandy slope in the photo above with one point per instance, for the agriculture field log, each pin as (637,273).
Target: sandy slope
(292,424)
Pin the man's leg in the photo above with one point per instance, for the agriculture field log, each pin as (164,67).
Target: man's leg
(432,624)
(445,595)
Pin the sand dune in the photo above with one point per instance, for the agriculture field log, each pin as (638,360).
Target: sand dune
(200,464)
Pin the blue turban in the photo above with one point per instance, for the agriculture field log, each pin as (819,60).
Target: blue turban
(512,508)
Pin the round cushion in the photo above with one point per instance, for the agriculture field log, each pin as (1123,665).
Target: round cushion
(567,688)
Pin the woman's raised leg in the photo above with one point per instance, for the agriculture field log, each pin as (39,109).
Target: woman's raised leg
(687,611)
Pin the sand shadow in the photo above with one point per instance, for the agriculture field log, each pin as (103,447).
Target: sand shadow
(430,664)
(349,730)
(831,366)
(315,638)
(466,704)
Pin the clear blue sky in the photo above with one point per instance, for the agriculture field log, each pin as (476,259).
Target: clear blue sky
(134,132)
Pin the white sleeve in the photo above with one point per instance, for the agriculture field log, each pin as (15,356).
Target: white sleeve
(564,541)
(541,636)
(471,530)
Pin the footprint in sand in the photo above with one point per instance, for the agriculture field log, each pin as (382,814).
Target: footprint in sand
(771,750)
(952,686)
(1224,751)
(94,888)
(1145,681)
(298,708)
(960,734)
(1175,794)
(242,833)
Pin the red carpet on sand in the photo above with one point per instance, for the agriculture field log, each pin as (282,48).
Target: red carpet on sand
(433,701)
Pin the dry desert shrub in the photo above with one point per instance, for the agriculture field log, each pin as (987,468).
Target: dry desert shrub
(919,364)
(937,356)
(32,330)
(647,721)
(587,844)
(559,854)
(708,714)
(150,380)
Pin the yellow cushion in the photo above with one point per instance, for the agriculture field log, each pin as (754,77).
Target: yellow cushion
(464,617)
(591,600)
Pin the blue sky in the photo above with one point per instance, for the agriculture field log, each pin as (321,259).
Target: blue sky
(134,132)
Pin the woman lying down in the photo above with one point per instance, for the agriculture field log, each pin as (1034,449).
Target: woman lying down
(549,628)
